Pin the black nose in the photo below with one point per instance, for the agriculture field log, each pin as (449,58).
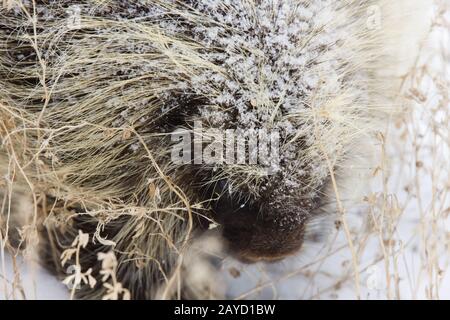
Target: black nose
(254,231)
(228,206)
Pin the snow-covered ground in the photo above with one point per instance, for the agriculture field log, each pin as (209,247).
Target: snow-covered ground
(36,283)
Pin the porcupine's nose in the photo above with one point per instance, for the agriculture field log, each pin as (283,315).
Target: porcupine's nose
(254,232)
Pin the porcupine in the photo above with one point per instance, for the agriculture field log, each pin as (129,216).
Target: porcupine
(91,92)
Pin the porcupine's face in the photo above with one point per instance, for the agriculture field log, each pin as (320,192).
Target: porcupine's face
(275,75)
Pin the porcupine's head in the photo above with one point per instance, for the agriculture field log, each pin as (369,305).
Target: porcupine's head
(284,75)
